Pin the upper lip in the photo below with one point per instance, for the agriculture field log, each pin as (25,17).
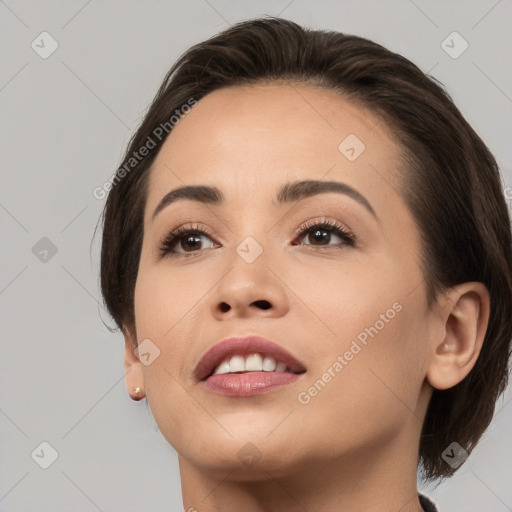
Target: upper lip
(244,346)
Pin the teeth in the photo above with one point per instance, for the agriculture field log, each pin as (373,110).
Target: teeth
(281,367)
(222,368)
(237,364)
(269,364)
(251,363)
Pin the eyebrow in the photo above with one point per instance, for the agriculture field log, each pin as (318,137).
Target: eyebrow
(287,193)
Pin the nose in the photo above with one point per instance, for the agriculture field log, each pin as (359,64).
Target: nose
(250,290)
(262,304)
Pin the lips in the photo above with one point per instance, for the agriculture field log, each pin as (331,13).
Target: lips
(244,346)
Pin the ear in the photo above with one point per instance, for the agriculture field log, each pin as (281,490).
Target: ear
(134,377)
(465,314)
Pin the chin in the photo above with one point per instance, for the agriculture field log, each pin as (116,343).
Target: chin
(243,463)
(251,456)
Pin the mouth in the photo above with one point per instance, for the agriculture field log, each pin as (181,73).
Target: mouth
(245,366)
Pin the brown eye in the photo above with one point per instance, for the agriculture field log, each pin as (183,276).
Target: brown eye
(182,241)
(320,234)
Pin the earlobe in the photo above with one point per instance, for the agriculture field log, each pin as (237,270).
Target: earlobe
(134,377)
(465,316)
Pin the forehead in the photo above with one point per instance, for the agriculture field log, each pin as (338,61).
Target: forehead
(249,140)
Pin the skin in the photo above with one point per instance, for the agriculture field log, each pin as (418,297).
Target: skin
(353,446)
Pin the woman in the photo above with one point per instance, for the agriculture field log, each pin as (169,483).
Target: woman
(308,251)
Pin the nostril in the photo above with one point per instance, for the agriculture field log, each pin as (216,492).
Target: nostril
(263,304)
(225,307)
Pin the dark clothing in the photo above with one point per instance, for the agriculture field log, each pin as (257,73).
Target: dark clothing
(427,504)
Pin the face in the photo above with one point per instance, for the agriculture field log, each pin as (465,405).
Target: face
(347,299)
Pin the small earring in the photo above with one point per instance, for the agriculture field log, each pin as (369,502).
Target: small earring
(138,394)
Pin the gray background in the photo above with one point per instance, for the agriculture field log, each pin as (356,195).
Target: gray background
(65,123)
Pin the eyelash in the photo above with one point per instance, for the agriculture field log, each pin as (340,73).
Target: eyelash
(338,229)
(167,243)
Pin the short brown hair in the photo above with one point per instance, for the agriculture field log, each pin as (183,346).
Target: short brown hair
(452,187)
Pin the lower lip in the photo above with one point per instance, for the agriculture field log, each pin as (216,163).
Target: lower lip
(248,384)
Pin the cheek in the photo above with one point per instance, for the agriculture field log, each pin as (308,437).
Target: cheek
(375,386)
(343,298)
(166,298)
(371,337)
(167,313)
